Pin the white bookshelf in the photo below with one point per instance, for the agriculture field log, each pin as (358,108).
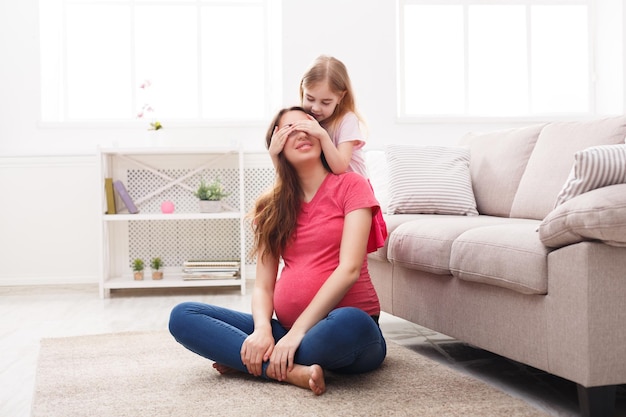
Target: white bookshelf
(154,175)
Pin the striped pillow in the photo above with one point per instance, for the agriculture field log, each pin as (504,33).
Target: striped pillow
(594,167)
(429,180)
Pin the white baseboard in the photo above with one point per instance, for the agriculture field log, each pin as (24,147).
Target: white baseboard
(46,280)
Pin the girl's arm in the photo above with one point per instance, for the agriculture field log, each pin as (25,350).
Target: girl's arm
(351,257)
(338,157)
(258,347)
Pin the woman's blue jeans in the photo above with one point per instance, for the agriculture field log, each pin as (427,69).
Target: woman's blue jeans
(346,341)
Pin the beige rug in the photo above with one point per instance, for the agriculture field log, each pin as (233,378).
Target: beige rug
(149,374)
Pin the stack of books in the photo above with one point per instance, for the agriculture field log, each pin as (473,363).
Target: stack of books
(211,270)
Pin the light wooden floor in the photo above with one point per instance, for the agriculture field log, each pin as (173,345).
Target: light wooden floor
(29,314)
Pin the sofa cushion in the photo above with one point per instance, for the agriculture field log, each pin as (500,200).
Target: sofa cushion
(498,160)
(506,255)
(424,244)
(392,221)
(551,161)
(596,215)
(593,168)
(429,179)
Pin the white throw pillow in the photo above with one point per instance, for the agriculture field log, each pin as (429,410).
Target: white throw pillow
(376,163)
(429,180)
(594,167)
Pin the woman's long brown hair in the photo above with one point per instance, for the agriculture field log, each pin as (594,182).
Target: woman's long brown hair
(275,212)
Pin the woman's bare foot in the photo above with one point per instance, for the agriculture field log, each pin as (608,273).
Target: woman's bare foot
(223,369)
(311,377)
(317,383)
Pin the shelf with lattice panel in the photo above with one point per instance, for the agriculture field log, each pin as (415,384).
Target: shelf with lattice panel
(154,175)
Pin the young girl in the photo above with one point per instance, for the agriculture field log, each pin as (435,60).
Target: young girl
(325,304)
(326,94)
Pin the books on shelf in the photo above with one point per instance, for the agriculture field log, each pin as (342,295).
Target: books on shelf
(201,269)
(212,264)
(209,275)
(110,196)
(128,202)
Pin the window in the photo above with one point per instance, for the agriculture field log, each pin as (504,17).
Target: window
(494,58)
(179,60)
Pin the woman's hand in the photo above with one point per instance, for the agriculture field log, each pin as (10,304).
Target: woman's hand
(257,349)
(283,355)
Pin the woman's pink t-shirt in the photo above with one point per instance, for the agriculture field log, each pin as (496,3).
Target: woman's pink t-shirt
(314,253)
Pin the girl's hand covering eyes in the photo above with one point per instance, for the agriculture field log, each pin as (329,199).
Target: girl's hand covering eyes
(312,128)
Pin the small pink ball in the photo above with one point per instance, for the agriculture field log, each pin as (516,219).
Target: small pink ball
(167,207)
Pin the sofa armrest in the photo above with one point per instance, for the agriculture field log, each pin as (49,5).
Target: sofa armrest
(586,313)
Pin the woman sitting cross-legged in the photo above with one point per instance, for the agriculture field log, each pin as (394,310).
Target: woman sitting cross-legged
(321,313)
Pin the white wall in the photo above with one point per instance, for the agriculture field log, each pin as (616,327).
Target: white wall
(48,219)
(57,165)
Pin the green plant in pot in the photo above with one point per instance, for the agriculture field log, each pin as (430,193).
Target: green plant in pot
(138,267)
(156,264)
(210,196)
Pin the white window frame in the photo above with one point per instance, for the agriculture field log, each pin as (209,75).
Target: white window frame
(402,115)
(272,71)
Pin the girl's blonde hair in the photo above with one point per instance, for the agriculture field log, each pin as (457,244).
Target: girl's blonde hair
(330,69)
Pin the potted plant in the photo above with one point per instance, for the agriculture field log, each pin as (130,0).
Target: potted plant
(138,269)
(210,196)
(156,264)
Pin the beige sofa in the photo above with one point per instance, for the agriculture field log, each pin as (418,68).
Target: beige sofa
(539,283)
